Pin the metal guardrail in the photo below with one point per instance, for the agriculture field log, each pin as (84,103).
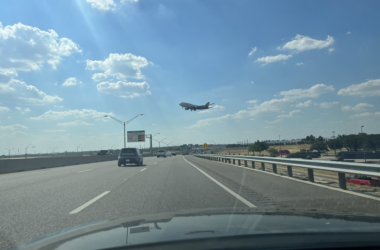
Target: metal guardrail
(339,167)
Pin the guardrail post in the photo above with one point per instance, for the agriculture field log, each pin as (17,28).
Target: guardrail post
(274,167)
(253,164)
(290,171)
(245,164)
(263,166)
(233,161)
(310,174)
(239,163)
(342,180)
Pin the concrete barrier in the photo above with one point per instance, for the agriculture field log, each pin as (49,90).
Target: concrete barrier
(19,165)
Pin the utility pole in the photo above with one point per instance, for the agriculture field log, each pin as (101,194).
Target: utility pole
(334,143)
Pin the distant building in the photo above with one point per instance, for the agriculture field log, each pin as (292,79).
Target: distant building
(282,142)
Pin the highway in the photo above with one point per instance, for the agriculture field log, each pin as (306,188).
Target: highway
(36,203)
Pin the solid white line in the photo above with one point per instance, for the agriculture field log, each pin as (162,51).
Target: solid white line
(307,182)
(85,171)
(249,204)
(143,169)
(88,203)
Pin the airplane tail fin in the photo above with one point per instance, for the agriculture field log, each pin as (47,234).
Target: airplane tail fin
(208,104)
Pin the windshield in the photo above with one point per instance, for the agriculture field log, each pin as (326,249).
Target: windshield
(112,109)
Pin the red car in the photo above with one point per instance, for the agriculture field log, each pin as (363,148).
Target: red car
(362,180)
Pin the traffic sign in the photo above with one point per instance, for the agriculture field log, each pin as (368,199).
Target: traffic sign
(205,146)
(136,136)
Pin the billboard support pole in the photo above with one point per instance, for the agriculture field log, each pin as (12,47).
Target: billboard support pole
(124,135)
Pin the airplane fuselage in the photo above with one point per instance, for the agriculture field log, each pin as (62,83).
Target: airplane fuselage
(192,107)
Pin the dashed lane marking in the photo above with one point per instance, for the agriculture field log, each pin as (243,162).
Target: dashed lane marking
(88,203)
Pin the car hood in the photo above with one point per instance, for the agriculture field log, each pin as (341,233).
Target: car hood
(198,224)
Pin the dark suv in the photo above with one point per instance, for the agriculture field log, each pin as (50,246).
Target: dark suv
(130,156)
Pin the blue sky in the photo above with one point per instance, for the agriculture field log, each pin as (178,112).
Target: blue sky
(288,68)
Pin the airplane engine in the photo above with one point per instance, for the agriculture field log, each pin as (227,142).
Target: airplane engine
(186,108)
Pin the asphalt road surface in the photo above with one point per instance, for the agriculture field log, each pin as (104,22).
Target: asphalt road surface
(37,203)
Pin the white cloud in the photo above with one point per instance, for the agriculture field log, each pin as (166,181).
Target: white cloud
(330,50)
(369,88)
(83,114)
(74,124)
(313,92)
(366,114)
(54,131)
(358,107)
(301,43)
(16,91)
(349,32)
(290,115)
(253,101)
(272,59)
(121,66)
(299,64)
(13,127)
(7,74)
(212,109)
(4,109)
(252,82)
(274,122)
(27,48)
(99,77)
(253,50)
(23,111)
(327,105)
(304,104)
(129,1)
(71,82)
(102,4)
(274,105)
(124,89)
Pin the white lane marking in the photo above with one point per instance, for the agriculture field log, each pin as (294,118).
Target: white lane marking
(85,171)
(143,169)
(249,204)
(88,203)
(306,182)
(155,163)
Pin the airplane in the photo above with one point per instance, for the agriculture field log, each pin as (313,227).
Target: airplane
(193,107)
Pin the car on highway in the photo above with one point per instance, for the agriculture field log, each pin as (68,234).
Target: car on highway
(168,153)
(103,152)
(161,153)
(173,153)
(363,180)
(130,156)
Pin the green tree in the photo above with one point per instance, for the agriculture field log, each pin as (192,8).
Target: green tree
(335,144)
(258,147)
(319,146)
(272,151)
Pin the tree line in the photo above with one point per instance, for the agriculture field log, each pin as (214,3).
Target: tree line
(352,143)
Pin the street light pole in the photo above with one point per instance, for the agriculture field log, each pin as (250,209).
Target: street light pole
(78,147)
(124,123)
(365,160)
(279,140)
(9,152)
(334,143)
(26,150)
